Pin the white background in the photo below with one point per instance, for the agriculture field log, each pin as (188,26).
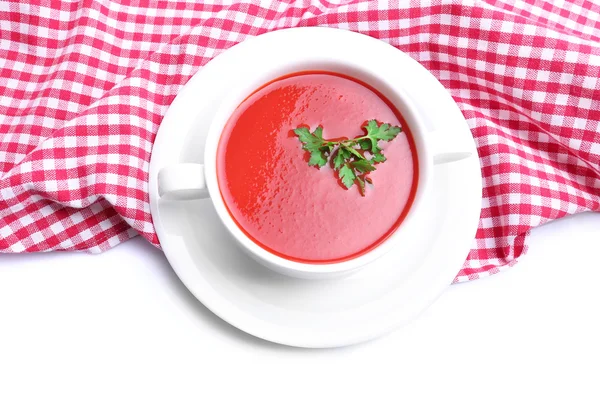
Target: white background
(119,330)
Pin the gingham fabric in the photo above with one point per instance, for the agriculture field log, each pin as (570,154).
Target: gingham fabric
(84,86)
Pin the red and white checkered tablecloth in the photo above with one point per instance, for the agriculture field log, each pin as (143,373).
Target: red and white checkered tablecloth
(84,86)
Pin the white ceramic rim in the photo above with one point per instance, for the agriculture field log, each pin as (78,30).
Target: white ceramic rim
(376,75)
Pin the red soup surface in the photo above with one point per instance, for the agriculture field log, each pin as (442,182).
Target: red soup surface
(297,211)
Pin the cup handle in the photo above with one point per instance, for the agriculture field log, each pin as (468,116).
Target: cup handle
(444,151)
(184,181)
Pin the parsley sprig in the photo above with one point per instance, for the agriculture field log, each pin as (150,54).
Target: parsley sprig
(353,159)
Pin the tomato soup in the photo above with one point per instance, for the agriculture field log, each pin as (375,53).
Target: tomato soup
(300,212)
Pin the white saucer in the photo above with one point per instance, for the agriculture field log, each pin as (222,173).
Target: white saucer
(307,313)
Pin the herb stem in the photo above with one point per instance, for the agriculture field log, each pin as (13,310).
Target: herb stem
(346,142)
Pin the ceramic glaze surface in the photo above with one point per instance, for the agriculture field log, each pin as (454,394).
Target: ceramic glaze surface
(298,211)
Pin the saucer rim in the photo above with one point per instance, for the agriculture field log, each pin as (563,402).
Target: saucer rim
(225,309)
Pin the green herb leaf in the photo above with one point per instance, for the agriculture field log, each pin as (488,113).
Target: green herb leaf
(317,159)
(338,159)
(319,132)
(310,141)
(346,154)
(327,148)
(378,158)
(354,152)
(365,144)
(347,176)
(383,132)
(363,166)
